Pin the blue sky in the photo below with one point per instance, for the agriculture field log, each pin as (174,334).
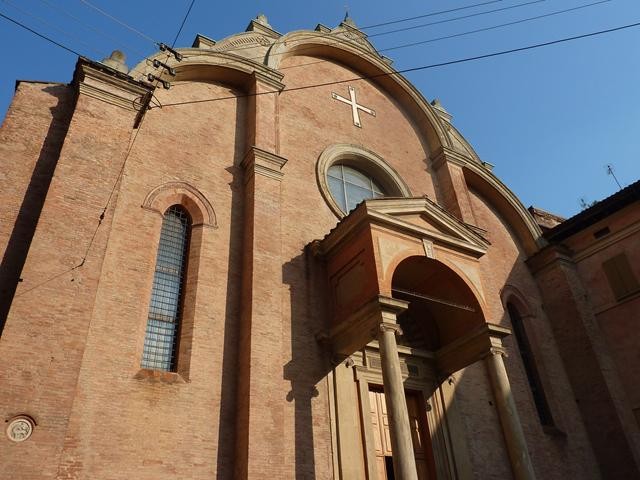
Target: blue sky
(549,119)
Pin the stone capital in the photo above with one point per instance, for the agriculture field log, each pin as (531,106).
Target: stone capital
(447,155)
(261,162)
(390,327)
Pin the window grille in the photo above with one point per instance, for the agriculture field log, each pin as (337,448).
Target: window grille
(163,324)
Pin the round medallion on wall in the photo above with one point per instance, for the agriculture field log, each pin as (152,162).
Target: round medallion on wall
(20,428)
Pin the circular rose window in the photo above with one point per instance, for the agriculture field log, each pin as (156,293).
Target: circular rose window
(349,186)
(348,174)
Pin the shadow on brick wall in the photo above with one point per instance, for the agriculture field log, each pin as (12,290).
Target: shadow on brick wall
(20,240)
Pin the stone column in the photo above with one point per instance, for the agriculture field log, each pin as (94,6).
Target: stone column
(509,419)
(404,463)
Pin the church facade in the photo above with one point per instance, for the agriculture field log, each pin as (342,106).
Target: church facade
(271,257)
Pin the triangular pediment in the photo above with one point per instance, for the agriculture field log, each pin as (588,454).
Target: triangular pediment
(417,217)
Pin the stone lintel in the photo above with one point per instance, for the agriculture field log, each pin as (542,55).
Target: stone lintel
(108,85)
(476,345)
(261,162)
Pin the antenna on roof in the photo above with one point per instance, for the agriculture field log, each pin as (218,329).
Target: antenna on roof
(610,172)
(346,13)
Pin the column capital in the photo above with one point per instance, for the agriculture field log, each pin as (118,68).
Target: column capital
(390,327)
(445,154)
(261,162)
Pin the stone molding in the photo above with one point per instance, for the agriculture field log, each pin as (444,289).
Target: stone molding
(182,193)
(449,155)
(364,62)
(365,160)
(107,85)
(198,64)
(388,212)
(261,162)
(535,240)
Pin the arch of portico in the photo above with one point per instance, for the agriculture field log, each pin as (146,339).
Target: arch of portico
(402,264)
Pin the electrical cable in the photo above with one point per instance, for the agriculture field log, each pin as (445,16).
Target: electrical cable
(485,29)
(414,69)
(102,12)
(96,30)
(448,20)
(340,32)
(41,35)
(182,24)
(432,14)
(436,39)
(47,24)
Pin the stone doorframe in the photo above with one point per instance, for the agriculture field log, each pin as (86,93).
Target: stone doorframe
(419,375)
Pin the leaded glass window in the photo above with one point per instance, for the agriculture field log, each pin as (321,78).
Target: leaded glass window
(349,186)
(163,324)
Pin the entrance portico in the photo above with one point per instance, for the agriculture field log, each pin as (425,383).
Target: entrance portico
(405,264)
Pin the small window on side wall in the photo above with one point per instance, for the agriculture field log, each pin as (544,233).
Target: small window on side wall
(165,308)
(530,367)
(620,276)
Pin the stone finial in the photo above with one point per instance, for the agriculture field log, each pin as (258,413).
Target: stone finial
(349,21)
(262,20)
(441,110)
(116,61)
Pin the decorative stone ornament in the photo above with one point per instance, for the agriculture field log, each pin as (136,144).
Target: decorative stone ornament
(20,428)
(353,103)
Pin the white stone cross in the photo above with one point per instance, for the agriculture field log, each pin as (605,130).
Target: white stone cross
(354,106)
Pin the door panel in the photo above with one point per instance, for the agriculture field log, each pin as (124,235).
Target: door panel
(382,436)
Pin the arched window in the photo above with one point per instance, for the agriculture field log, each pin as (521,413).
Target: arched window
(350,186)
(535,384)
(163,324)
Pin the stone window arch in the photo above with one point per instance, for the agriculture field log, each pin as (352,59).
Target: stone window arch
(184,214)
(520,313)
(344,168)
(161,341)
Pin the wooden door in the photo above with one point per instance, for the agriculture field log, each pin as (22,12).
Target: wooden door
(382,437)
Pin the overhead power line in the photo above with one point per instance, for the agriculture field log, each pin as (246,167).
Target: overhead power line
(54,27)
(432,14)
(463,17)
(184,20)
(415,69)
(436,39)
(91,28)
(340,32)
(493,27)
(50,40)
(126,25)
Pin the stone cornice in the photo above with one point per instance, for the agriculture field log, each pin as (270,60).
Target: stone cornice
(261,162)
(535,240)
(196,63)
(106,84)
(550,256)
(387,213)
